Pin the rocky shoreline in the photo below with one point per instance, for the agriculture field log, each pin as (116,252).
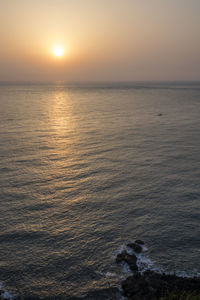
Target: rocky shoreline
(151,285)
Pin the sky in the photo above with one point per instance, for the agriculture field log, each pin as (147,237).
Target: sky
(115,40)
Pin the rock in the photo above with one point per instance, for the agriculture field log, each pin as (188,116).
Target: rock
(120,257)
(137,248)
(139,242)
(129,259)
(152,285)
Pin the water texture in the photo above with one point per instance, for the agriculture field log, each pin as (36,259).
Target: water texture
(84,169)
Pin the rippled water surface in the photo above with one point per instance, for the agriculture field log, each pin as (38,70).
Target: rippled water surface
(84,170)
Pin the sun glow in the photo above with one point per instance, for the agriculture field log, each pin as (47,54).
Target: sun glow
(58,51)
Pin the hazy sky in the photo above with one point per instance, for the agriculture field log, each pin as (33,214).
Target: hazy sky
(103,39)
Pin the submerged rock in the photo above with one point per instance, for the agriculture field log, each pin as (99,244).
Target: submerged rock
(137,248)
(129,259)
(139,242)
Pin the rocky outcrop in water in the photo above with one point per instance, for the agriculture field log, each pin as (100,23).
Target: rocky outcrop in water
(137,248)
(129,259)
(151,285)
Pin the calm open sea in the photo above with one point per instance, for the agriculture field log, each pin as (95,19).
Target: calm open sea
(85,169)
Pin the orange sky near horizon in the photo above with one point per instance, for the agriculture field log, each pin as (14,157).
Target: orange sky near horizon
(102,40)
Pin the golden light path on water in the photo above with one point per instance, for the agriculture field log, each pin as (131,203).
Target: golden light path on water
(65,142)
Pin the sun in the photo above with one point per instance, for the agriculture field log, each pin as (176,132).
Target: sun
(58,51)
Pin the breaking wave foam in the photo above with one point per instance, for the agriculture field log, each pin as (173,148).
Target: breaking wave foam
(5,294)
(144,263)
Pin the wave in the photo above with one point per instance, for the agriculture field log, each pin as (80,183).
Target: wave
(144,263)
(5,294)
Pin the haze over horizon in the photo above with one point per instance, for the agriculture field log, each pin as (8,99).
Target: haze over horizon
(100,40)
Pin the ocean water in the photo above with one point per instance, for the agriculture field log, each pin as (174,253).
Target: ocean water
(84,169)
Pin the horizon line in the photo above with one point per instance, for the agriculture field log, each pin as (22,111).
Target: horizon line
(98,81)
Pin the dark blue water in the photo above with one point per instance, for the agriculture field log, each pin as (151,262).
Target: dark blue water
(84,170)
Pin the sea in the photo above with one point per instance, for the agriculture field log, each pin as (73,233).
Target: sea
(86,168)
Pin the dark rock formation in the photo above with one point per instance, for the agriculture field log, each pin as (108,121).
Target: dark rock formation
(129,259)
(137,248)
(151,285)
(139,242)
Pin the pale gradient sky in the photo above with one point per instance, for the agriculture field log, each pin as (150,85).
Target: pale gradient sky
(103,40)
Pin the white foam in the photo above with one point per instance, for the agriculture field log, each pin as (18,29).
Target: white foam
(144,263)
(6,295)
(110,274)
(125,268)
(107,274)
(144,248)
(185,274)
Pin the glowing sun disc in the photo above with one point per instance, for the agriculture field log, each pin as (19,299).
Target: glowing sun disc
(58,51)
